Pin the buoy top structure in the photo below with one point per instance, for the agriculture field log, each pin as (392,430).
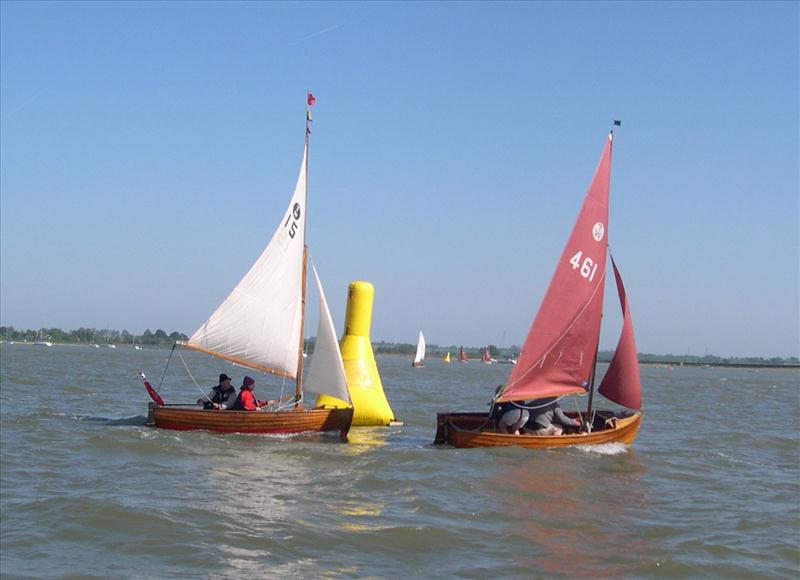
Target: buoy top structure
(370,407)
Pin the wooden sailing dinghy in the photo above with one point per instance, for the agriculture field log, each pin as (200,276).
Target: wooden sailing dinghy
(419,356)
(260,326)
(559,356)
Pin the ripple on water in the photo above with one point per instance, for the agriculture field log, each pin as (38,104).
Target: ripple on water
(87,488)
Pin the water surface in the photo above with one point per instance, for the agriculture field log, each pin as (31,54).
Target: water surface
(710,488)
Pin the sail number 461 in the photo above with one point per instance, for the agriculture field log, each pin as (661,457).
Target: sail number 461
(587,267)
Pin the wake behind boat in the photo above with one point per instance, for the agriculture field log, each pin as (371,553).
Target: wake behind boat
(559,356)
(260,326)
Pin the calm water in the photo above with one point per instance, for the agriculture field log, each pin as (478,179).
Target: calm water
(710,488)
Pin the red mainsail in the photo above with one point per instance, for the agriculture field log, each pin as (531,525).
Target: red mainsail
(559,352)
(622,383)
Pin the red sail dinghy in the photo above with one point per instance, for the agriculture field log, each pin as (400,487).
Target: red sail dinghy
(260,326)
(559,356)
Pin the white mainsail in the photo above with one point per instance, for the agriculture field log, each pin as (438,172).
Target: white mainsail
(326,371)
(258,324)
(420,356)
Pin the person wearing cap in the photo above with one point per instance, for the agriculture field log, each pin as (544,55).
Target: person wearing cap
(246,401)
(221,397)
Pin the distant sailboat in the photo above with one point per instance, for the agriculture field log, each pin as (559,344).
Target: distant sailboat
(447,357)
(42,340)
(486,357)
(559,356)
(462,356)
(133,343)
(419,357)
(260,326)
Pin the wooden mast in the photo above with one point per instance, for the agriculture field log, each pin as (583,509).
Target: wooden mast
(298,386)
(588,420)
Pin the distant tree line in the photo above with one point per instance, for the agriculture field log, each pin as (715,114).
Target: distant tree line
(91,336)
(161,338)
(709,359)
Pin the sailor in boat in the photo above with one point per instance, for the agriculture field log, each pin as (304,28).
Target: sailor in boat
(547,418)
(511,417)
(223,396)
(513,420)
(536,417)
(246,401)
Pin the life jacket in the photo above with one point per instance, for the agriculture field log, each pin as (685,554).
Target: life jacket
(221,396)
(238,405)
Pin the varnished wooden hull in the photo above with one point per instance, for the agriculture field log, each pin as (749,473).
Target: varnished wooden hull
(476,430)
(186,418)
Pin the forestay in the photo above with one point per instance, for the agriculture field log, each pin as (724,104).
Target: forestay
(326,370)
(258,324)
(559,352)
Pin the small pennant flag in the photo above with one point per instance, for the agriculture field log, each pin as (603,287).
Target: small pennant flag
(310,99)
(616,123)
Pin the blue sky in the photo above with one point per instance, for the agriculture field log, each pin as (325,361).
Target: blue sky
(148,151)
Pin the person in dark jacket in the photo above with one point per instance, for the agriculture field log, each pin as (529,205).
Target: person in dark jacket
(511,416)
(547,418)
(221,397)
(246,401)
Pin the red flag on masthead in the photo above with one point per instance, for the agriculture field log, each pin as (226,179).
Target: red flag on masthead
(310,99)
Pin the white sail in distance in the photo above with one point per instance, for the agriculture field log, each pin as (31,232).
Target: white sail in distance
(420,356)
(258,324)
(326,370)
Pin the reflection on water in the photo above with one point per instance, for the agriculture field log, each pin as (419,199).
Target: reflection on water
(575,520)
(362,438)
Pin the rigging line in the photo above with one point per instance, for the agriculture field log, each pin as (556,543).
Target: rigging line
(563,334)
(578,409)
(290,402)
(537,406)
(477,429)
(205,396)
(174,344)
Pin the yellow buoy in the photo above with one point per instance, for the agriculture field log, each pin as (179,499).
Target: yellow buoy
(370,406)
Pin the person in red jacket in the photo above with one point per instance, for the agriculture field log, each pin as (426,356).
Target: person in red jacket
(246,401)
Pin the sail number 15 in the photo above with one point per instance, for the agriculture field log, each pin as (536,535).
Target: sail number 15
(295,213)
(588,268)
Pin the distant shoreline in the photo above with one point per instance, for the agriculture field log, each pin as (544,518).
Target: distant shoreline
(650,362)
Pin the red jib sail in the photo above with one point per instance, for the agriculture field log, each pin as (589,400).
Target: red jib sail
(622,383)
(561,346)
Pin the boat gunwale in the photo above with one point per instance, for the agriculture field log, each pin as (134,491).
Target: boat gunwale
(624,430)
(292,421)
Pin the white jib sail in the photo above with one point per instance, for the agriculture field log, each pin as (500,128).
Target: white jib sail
(258,324)
(420,356)
(326,369)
